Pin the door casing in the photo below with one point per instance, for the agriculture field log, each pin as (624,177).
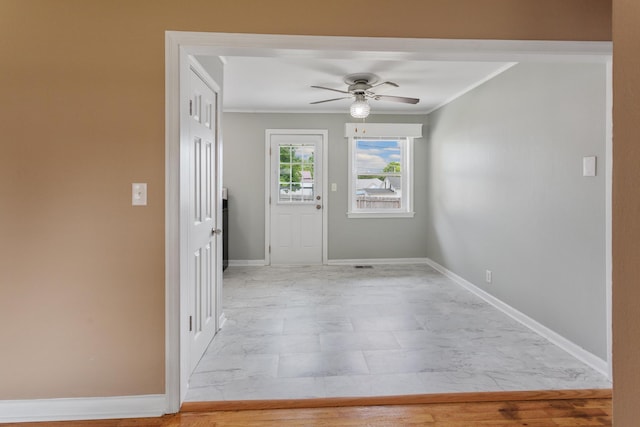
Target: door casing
(179,44)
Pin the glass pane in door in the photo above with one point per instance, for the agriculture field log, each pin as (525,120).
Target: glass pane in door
(296,170)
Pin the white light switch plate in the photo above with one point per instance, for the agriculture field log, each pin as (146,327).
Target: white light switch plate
(139,194)
(589,166)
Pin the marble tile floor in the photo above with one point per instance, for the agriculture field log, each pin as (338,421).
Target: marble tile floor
(340,331)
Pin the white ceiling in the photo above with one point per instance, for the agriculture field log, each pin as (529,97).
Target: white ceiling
(283,84)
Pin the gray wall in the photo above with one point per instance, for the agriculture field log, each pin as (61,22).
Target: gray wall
(243,169)
(214,67)
(506,193)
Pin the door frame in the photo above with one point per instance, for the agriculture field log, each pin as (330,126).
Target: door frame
(267,187)
(178,44)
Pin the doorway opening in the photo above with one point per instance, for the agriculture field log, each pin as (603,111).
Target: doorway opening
(180,45)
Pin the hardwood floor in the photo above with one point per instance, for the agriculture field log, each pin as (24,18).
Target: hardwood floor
(589,408)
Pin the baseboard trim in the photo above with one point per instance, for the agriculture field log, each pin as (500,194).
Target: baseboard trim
(222,320)
(377,261)
(246,263)
(570,347)
(416,399)
(85,408)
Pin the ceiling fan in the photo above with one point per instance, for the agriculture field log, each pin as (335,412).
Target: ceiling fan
(362,87)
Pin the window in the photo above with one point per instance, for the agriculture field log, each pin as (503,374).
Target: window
(381,177)
(381,169)
(296,166)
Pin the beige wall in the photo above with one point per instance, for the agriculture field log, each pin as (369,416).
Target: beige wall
(626,211)
(82,117)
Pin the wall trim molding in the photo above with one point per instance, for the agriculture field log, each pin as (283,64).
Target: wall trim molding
(472,87)
(85,408)
(377,261)
(247,263)
(570,347)
(172,223)
(608,176)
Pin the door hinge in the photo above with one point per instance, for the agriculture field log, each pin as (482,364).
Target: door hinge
(269,199)
(269,248)
(191,107)
(269,150)
(190,323)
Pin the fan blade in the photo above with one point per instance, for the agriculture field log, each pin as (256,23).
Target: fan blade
(382,85)
(329,100)
(328,88)
(396,99)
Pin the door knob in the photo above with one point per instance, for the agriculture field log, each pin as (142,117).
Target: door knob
(318,206)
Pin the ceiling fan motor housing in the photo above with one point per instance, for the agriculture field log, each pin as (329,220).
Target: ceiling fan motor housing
(360,86)
(359,83)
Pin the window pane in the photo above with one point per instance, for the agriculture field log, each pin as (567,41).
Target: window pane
(285,173)
(285,154)
(285,192)
(378,174)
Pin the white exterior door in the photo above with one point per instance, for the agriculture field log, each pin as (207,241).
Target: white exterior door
(296,202)
(205,263)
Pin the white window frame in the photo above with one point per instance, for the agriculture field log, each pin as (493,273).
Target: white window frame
(404,133)
(406,210)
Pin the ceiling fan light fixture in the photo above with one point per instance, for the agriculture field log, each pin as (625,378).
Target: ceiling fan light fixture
(360,108)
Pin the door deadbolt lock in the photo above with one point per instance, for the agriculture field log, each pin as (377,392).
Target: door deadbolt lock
(317,197)
(318,206)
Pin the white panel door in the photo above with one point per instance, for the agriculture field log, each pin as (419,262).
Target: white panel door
(203,228)
(296,203)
